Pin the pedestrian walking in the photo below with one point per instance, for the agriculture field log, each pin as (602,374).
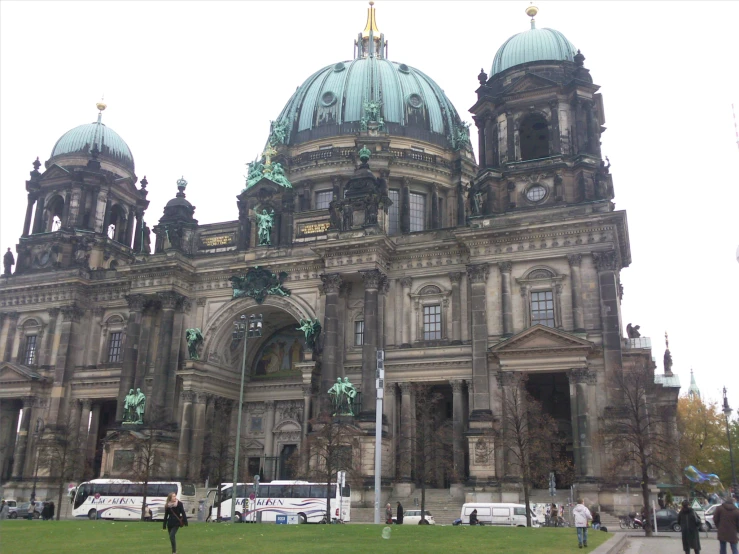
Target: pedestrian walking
(690,528)
(582,518)
(45,511)
(473,517)
(388,514)
(726,518)
(399,516)
(174,518)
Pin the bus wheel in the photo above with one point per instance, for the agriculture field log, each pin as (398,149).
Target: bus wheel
(237,519)
(92,514)
(302,518)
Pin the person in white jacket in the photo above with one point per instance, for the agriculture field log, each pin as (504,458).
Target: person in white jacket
(582,517)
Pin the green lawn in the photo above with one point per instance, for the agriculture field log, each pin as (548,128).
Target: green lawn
(77,537)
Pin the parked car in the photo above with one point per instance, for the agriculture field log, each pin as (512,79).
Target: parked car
(412,517)
(25,507)
(667,520)
(12,509)
(491,513)
(708,516)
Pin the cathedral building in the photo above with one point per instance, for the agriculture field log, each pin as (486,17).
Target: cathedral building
(369,214)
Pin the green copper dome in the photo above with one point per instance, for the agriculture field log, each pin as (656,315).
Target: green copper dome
(533,45)
(80,140)
(337,98)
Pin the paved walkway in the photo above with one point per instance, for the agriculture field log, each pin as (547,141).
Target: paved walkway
(667,544)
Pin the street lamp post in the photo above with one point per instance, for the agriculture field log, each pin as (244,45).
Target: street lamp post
(727,414)
(244,331)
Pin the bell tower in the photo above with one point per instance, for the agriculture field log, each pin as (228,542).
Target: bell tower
(84,210)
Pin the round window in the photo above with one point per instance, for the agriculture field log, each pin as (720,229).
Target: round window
(328,99)
(403,68)
(536,193)
(339,67)
(415,101)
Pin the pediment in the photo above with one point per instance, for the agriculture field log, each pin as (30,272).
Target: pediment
(541,338)
(256,189)
(54,172)
(13,373)
(254,445)
(529,82)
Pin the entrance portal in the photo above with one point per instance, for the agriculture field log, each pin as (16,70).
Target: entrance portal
(552,390)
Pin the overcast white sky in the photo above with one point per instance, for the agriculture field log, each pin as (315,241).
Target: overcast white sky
(192,87)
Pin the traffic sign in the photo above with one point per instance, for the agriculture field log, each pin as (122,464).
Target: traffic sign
(252,496)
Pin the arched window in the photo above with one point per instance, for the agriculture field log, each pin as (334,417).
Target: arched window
(117,228)
(534,137)
(31,331)
(55,210)
(541,290)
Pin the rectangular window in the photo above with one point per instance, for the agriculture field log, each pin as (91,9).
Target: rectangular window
(542,308)
(394,213)
(358,333)
(323,199)
(432,322)
(417,149)
(30,356)
(326,147)
(114,347)
(418,212)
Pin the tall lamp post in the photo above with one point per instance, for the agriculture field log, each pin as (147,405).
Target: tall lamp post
(727,414)
(242,330)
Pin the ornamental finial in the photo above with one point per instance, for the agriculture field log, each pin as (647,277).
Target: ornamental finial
(531,11)
(364,154)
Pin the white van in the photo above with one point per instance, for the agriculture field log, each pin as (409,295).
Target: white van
(489,513)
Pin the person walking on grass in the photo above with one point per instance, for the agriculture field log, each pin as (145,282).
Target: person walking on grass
(399,516)
(582,518)
(690,528)
(174,518)
(726,518)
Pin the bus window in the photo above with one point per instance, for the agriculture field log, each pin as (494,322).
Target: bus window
(278,491)
(346,491)
(116,489)
(318,491)
(240,491)
(188,489)
(83,492)
(301,491)
(101,489)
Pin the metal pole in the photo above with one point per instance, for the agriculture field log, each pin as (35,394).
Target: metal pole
(727,413)
(380,384)
(238,424)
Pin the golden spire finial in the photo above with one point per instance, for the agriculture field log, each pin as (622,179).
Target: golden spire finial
(531,11)
(101,105)
(371,23)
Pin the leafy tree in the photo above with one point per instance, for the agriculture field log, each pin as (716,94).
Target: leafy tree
(636,428)
(528,437)
(702,436)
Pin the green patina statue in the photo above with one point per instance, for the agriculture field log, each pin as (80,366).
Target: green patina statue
(258,283)
(255,173)
(342,397)
(364,154)
(278,134)
(460,136)
(312,330)
(134,406)
(265,221)
(194,340)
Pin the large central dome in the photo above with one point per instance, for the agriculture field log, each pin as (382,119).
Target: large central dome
(334,100)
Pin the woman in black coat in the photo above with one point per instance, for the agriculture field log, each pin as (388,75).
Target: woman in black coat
(174,518)
(690,528)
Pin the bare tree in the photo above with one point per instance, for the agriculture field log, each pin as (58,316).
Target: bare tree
(220,450)
(429,450)
(329,450)
(636,430)
(527,437)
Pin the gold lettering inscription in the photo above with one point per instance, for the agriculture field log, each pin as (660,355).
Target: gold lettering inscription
(314,228)
(220,240)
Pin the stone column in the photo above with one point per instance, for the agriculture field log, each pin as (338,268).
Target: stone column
(406,444)
(607,265)
(12,318)
(146,338)
(307,391)
(456,279)
(38,220)
(21,442)
(92,434)
(510,139)
(435,215)
(183,453)
(458,429)
(478,276)
(85,406)
(169,302)
(138,231)
(405,206)
(29,214)
(177,349)
(506,298)
(129,229)
(490,141)
(66,220)
(461,215)
(331,286)
(44,358)
(130,351)
(580,382)
(64,363)
(269,438)
(198,436)
(576,283)
(372,280)
(9,413)
(406,283)
(555,145)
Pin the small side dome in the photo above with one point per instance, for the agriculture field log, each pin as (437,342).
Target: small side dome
(533,45)
(81,140)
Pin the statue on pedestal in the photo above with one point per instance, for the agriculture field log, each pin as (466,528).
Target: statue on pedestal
(194,339)
(134,406)
(342,397)
(265,221)
(8,262)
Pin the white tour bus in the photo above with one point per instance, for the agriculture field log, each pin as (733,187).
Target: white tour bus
(300,498)
(496,513)
(122,499)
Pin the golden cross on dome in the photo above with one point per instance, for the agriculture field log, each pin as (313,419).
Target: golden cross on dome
(269,151)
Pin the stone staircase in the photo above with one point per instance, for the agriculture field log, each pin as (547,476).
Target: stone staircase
(439,503)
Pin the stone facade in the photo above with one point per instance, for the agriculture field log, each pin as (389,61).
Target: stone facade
(462,272)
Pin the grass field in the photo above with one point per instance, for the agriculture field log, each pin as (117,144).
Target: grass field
(78,537)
